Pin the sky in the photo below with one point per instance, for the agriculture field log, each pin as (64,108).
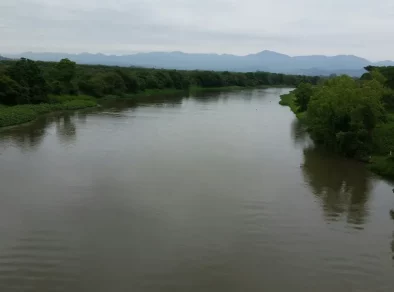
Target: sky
(240,27)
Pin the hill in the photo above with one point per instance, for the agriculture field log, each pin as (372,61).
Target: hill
(268,61)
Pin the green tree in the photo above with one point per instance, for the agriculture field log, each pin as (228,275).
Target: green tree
(30,77)
(343,113)
(108,83)
(65,71)
(10,91)
(130,80)
(303,94)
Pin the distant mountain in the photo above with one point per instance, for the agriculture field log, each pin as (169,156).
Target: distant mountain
(3,58)
(262,61)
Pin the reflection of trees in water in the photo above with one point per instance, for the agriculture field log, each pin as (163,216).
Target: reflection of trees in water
(298,132)
(392,242)
(65,127)
(342,185)
(26,137)
(82,117)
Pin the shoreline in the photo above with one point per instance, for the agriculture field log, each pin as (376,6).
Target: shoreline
(382,166)
(20,115)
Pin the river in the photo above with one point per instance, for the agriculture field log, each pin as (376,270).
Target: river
(216,192)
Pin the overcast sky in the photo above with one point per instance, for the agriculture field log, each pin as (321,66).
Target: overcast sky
(294,27)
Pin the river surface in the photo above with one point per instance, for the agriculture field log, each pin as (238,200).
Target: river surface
(218,192)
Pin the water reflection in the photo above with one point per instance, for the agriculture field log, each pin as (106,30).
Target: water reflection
(136,210)
(82,117)
(299,133)
(65,127)
(25,137)
(342,185)
(392,242)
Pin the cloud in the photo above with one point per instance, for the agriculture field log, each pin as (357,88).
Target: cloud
(361,27)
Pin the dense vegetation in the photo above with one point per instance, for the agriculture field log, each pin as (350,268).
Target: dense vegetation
(25,82)
(354,118)
(32,80)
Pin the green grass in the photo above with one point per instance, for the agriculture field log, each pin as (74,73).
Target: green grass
(289,100)
(20,114)
(67,98)
(383,166)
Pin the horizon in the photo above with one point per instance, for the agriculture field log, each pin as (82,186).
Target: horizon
(183,52)
(305,27)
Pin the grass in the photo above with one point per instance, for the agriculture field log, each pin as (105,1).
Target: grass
(383,166)
(289,100)
(20,114)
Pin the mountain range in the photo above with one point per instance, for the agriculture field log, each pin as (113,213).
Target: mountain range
(263,61)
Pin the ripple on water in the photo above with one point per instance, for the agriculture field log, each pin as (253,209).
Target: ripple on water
(42,261)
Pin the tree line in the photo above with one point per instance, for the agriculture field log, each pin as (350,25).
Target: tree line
(352,117)
(31,82)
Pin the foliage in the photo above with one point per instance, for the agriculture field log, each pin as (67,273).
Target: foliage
(10,91)
(303,94)
(19,114)
(352,117)
(16,115)
(61,85)
(342,114)
(383,165)
(65,77)
(290,101)
(30,77)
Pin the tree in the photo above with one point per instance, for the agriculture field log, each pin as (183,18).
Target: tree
(107,83)
(30,77)
(343,113)
(65,71)
(130,80)
(10,91)
(303,94)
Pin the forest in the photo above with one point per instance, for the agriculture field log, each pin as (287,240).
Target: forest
(351,117)
(30,88)
(27,81)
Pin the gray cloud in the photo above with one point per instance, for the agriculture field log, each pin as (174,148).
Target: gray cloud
(361,27)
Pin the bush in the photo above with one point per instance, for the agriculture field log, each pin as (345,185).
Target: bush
(78,104)
(15,115)
(383,166)
(65,98)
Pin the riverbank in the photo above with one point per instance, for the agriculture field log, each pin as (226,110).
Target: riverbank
(21,114)
(289,100)
(380,162)
(172,91)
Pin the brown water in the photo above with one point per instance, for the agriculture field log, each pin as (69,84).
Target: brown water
(221,192)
